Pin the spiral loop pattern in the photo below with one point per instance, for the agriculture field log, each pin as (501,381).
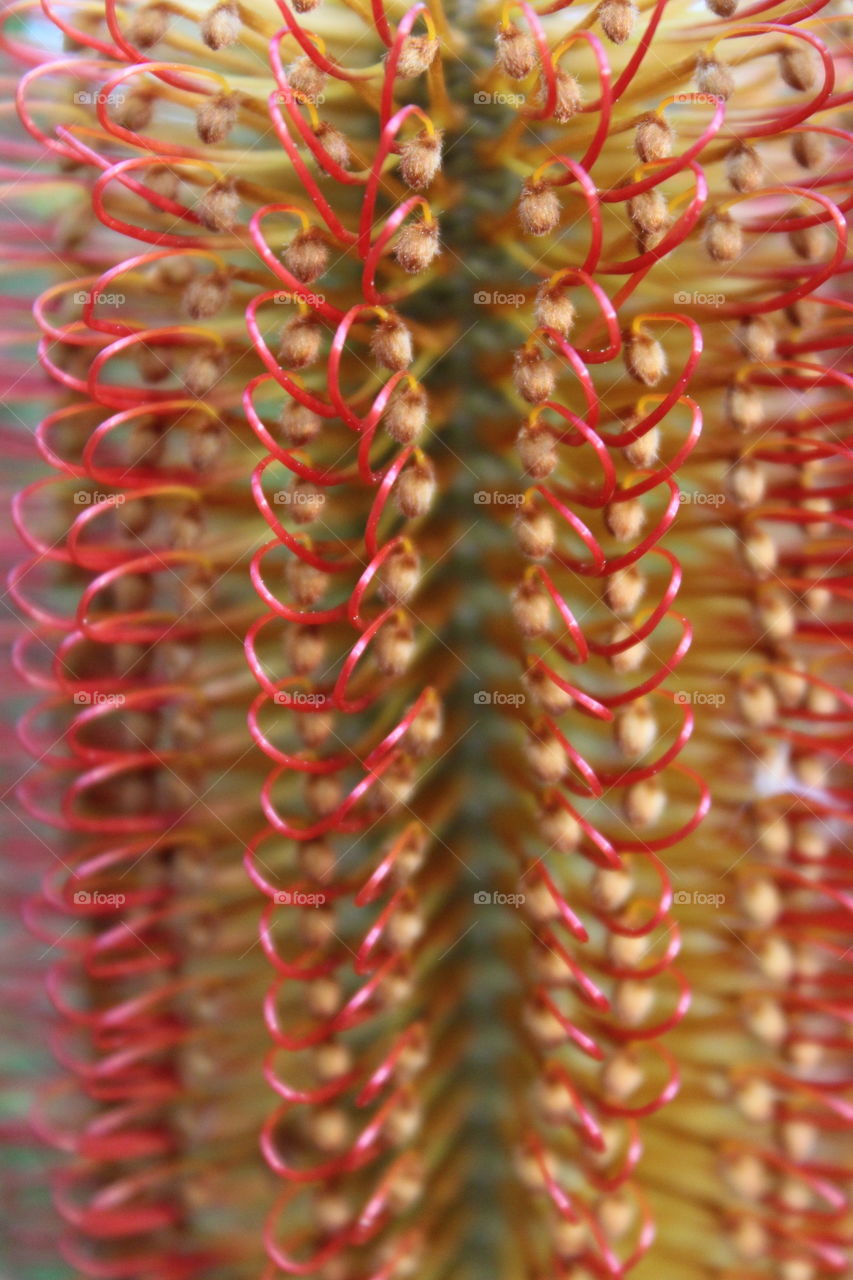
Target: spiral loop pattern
(598,607)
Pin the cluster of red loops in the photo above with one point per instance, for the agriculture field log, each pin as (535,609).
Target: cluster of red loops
(349,598)
(145,619)
(117,735)
(627,992)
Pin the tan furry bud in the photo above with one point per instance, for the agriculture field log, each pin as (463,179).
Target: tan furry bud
(756,1100)
(305,6)
(822,702)
(221,26)
(617,18)
(757,703)
(635,729)
(766,1020)
(307,255)
(644,803)
(315,728)
(776,616)
(400,574)
(206,294)
(571,1240)
(394,645)
(744,406)
(537,449)
(534,531)
(216,117)
(553,700)
(417,245)
(624,589)
(808,243)
(626,660)
(560,829)
(644,450)
(323,997)
(533,375)
(648,211)
(723,238)
(163,182)
(538,208)
(809,149)
(410,858)
(306,501)
(713,77)
(546,755)
(298,424)
(427,726)
(756,338)
(797,67)
(329,1129)
(747,483)
(153,363)
(207,445)
(218,207)
(621,1076)
(322,795)
(653,139)
(406,415)
(539,902)
(202,373)
(626,952)
(774,835)
(800,1139)
(301,340)
(136,112)
(307,584)
(391,345)
(761,902)
(335,144)
(420,159)
(416,55)
(744,169)
(611,888)
(759,552)
(722,8)
(305,648)
(306,79)
(395,786)
(515,52)
(415,488)
(531,608)
(555,309)
(568,98)
(749,1239)
(632,1001)
(332,1211)
(148,26)
(146,444)
(812,771)
(625,520)
(645,358)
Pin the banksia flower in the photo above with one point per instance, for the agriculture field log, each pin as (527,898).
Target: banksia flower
(436,592)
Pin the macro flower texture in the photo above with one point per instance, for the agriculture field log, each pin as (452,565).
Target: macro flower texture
(427,791)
